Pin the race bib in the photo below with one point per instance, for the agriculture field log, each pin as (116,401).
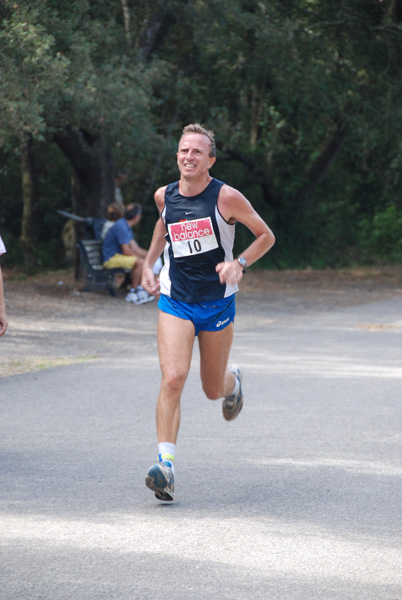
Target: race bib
(192,237)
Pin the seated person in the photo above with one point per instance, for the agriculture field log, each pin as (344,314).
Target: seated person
(115,212)
(120,250)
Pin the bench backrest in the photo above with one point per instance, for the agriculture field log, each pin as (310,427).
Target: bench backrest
(91,252)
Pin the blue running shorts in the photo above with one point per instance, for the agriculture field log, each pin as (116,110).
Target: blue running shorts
(212,315)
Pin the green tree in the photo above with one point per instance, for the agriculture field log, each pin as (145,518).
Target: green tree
(29,69)
(303,97)
(66,79)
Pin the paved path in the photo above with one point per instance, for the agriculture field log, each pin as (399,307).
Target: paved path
(298,499)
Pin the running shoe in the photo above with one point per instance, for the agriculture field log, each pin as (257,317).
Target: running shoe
(160,480)
(232,405)
(132,297)
(143,296)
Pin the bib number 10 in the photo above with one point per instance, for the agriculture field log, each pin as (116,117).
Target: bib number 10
(192,237)
(194,246)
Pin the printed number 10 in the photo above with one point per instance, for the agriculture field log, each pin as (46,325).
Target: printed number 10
(197,246)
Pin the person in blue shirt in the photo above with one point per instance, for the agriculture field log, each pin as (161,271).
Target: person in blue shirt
(115,211)
(197,287)
(120,250)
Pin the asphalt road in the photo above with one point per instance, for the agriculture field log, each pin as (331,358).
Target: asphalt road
(298,499)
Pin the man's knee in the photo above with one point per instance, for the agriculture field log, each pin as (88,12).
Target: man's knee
(174,381)
(138,264)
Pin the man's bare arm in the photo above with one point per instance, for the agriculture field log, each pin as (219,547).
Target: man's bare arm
(233,206)
(149,283)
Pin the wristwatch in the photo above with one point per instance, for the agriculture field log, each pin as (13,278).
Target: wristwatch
(242,261)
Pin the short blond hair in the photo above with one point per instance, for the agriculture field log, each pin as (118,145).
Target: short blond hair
(197,128)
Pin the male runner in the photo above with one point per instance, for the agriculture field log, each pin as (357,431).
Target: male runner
(197,285)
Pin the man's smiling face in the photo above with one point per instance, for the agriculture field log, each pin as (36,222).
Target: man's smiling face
(193,155)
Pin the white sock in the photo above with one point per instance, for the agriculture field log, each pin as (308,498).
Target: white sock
(236,387)
(166,452)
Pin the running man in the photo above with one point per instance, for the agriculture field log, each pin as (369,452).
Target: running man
(197,284)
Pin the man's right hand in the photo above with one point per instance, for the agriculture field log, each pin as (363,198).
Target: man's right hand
(149,283)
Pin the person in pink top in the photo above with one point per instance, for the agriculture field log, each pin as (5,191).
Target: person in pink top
(3,317)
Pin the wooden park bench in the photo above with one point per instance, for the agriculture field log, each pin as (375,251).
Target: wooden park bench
(96,277)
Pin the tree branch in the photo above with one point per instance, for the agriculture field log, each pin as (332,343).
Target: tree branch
(261,177)
(330,150)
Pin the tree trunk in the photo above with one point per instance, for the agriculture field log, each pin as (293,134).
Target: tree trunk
(257,99)
(155,14)
(394,11)
(30,198)
(127,22)
(324,162)
(92,177)
(93,173)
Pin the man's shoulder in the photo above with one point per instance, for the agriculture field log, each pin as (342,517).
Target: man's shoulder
(231,203)
(121,224)
(160,195)
(229,193)
(160,192)
(118,230)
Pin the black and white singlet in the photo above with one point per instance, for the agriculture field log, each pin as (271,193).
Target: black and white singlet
(197,239)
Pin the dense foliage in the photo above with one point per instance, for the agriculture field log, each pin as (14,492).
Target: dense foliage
(304,97)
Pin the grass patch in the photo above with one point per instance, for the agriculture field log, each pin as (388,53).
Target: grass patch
(31,365)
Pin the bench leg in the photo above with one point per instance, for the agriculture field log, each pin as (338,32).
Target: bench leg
(112,291)
(126,281)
